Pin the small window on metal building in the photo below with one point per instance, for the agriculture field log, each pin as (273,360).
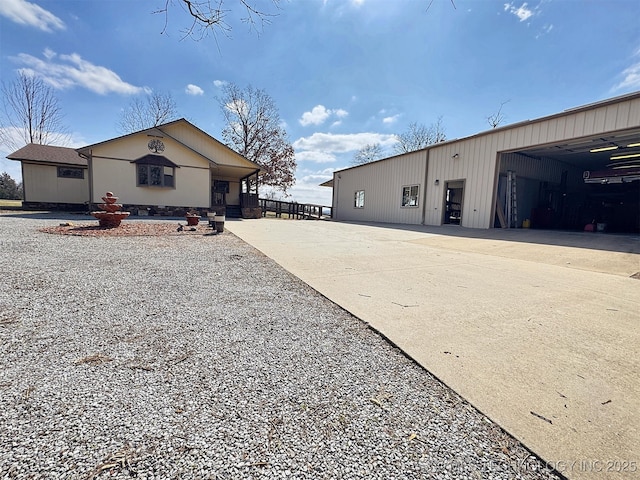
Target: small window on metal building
(410,196)
(358,199)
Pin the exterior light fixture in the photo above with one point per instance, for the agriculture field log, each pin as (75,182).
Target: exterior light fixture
(437,182)
(603,149)
(455,155)
(620,157)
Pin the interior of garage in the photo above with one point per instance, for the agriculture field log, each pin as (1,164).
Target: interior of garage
(587,184)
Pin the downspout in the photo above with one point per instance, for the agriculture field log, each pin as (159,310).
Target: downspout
(89,176)
(426,177)
(24,190)
(336,195)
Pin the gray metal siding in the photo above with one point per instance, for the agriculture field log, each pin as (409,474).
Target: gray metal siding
(382,183)
(476,164)
(478,155)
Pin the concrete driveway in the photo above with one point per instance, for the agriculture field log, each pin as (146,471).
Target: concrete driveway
(538,330)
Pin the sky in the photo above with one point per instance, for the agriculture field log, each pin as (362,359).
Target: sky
(343,73)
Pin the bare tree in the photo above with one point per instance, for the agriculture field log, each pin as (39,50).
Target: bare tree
(254,130)
(369,153)
(156,109)
(419,136)
(497,118)
(31,114)
(210,16)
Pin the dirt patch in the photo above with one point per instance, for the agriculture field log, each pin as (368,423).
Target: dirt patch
(130,229)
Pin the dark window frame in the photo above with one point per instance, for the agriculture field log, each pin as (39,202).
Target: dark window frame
(71,172)
(155,175)
(358,199)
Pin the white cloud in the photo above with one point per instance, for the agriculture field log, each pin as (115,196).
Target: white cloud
(30,14)
(342,143)
(316,116)
(631,80)
(307,188)
(48,53)
(192,89)
(219,83)
(319,114)
(67,71)
(314,156)
(239,106)
(522,12)
(391,119)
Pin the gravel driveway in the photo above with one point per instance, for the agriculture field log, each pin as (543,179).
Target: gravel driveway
(195,357)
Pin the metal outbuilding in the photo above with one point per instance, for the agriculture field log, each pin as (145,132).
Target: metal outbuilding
(578,169)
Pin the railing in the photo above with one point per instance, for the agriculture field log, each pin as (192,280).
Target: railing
(295,210)
(249,200)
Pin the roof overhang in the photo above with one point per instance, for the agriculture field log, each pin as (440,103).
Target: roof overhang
(48,155)
(151,159)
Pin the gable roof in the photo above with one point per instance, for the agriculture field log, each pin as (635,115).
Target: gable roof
(34,152)
(160,129)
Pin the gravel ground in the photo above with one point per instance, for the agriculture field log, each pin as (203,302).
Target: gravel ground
(197,357)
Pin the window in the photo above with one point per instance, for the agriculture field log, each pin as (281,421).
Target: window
(155,175)
(358,201)
(410,196)
(155,171)
(70,172)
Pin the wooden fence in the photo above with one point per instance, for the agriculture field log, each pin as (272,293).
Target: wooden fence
(295,210)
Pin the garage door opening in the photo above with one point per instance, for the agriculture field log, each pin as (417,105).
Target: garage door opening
(588,184)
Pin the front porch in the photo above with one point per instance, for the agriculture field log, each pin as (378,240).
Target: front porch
(235,197)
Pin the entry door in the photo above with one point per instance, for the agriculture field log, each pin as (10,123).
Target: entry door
(453,195)
(219,193)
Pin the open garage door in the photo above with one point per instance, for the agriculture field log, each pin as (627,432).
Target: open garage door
(591,181)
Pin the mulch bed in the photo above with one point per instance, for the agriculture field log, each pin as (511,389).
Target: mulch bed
(127,229)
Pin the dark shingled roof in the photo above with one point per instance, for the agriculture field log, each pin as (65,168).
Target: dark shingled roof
(151,159)
(34,152)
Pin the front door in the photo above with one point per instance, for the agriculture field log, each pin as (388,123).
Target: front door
(219,192)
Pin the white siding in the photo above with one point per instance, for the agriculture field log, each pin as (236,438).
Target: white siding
(382,183)
(44,185)
(112,171)
(213,149)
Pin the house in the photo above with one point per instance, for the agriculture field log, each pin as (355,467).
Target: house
(164,170)
(566,171)
(53,177)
